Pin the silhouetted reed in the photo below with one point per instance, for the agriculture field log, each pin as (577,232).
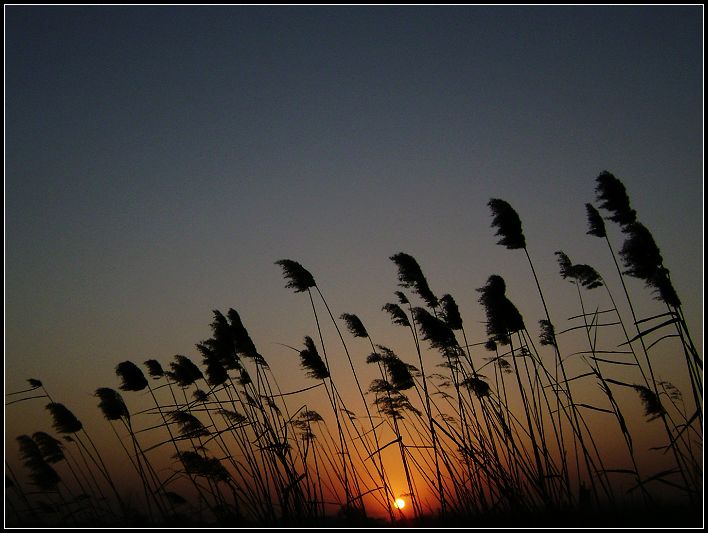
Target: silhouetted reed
(486,436)
(508,224)
(299,279)
(132,376)
(612,196)
(411,276)
(643,260)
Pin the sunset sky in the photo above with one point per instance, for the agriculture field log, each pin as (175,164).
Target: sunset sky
(159,160)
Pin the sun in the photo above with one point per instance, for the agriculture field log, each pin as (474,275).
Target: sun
(400,503)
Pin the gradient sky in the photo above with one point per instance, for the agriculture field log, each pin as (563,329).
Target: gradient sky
(160,159)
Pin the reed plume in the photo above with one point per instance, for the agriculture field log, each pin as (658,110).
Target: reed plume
(652,406)
(595,222)
(410,275)
(548,334)
(42,474)
(437,333)
(299,279)
(184,371)
(354,325)
(399,373)
(49,447)
(189,425)
(503,318)
(111,404)
(155,370)
(132,377)
(508,224)
(643,260)
(479,387)
(451,312)
(312,362)
(612,196)
(398,315)
(197,465)
(64,420)
(583,274)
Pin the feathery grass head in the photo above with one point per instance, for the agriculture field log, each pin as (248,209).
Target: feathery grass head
(184,371)
(595,222)
(29,450)
(402,298)
(216,374)
(548,333)
(354,325)
(155,370)
(410,275)
(508,224)
(503,318)
(437,332)
(111,404)
(312,362)
(611,193)
(398,315)
(198,465)
(652,405)
(49,447)
(34,383)
(42,474)
(242,341)
(399,373)
(200,395)
(234,417)
(298,277)
(219,349)
(586,275)
(566,266)
(490,345)
(132,377)
(479,387)
(189,425)
(393,403)
(64,420)
(642,258)
(451,312)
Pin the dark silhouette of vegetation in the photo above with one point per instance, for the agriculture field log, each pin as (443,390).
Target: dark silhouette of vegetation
(485,433)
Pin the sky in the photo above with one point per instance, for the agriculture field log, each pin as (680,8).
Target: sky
(159,160)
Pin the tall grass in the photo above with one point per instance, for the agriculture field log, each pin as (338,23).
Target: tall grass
(478,430)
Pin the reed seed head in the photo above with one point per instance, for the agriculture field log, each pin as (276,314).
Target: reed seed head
(299,279)
(643,260)
(398,315)
(503,318)
(64,420)
(155,370)
(451,312)
(410,275)
(354,325)
(184,371)
(437,332)
(50,448)
(111,404)
(132,377)
(312,362)
(612,196)
(508,224)
(595,222)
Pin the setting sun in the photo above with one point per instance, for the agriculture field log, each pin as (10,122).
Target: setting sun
(400,503)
